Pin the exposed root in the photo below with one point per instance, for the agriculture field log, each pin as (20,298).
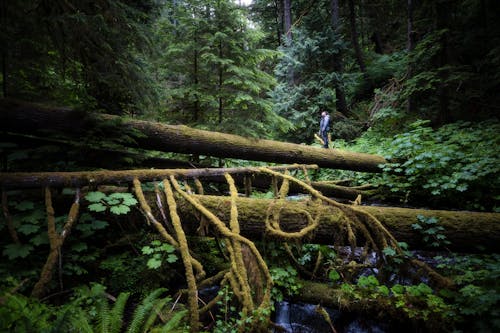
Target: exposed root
(8,218)
(376,235)
(55,240)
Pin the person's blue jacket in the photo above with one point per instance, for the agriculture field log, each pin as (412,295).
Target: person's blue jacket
(324,125)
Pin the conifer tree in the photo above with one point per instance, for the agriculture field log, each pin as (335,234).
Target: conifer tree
(214,69)
(80,53)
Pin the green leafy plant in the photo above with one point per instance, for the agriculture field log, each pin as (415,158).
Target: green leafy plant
(285,282)
(117,203)
(431,232)
(158,252)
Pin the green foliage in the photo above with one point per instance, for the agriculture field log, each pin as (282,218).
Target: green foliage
(308,57)
(477,293)
(285,282)
(30,222)
(229,320)
(430,230)
(457,161)
(117,203)
(157,252)
(214,69)
(453,166)
(46,59)
(89,310)
(415,301)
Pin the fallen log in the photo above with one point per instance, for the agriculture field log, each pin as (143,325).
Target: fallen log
(28,118)
(466,231)
(20,180)
(325,295)
(261,181)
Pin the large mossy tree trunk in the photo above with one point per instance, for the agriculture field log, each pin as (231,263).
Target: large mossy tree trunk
(244,176)
(466,231)
(27,118)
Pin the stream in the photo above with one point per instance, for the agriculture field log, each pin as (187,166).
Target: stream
(303,318)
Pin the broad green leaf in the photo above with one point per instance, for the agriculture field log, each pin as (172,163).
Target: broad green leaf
(40,239)
(120,209)
(25,205)
(28,228)
(154,263)
(95,196)
(97,207)
(171,258)
(13,251)
(147,250)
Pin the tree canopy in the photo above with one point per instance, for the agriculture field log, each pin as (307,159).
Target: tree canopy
(100,99)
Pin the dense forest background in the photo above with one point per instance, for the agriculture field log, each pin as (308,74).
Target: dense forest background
(267,68)
(414,81)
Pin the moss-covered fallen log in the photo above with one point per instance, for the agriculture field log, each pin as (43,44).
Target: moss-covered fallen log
(466,231)
(326,295)
(29,118)
(243,176)
(20,180)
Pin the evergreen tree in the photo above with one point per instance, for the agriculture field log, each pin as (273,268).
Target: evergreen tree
(213,68)
(80,53)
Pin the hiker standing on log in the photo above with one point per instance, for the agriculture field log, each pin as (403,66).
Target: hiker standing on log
(324,128)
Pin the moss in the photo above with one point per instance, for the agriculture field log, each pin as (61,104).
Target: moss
(55,240)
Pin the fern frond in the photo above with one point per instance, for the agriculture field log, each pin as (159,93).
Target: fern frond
(173,323)
(79,323)
(103,314)
(116,313)
(158,307)
(143,309)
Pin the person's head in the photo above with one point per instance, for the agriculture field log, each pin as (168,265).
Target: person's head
(324,113)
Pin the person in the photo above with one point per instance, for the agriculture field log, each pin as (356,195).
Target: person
(324,128)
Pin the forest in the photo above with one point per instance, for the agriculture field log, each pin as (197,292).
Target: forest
(163,169)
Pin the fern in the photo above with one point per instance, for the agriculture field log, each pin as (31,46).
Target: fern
(174,322)
(142,311)
(154,314)
(116,314)
(103,319)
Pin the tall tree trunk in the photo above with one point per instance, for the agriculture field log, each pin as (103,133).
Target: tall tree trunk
(5,47)
(287,21)
(337,59)
(277,16)
(29,118)
(287,14)
(442,22)
(220,84)
(375,33)
(354,38)
(196,79)
(410,107)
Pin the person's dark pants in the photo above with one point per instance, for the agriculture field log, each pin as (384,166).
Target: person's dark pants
(324,136)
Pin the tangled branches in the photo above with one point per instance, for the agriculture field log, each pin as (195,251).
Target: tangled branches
(243,254)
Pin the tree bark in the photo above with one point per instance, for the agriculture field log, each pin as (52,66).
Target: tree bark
(324,294)
(443,17)
(18,180)
(410,107)
(467,231)
(341,103)
(29,118)
(354,38)
(287,18)
(21,180)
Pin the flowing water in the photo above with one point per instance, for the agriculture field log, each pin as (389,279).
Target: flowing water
(303,318)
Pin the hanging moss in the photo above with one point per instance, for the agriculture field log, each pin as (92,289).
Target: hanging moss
(55,240)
